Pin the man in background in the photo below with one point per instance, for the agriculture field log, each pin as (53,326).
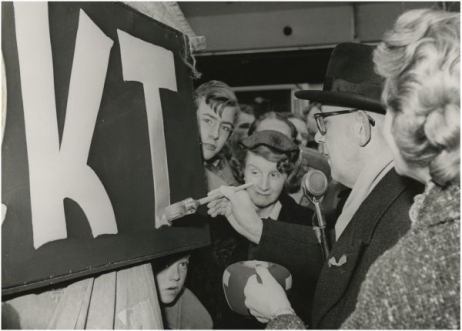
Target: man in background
(245,119)
(311,110)
(302,129)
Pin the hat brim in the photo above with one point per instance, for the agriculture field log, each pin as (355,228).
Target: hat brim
(342,99)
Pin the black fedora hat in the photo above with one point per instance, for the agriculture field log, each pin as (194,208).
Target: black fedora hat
(350,80)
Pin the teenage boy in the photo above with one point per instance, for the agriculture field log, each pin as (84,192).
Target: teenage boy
(217,112)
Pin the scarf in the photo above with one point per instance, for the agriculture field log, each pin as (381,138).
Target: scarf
(371,174)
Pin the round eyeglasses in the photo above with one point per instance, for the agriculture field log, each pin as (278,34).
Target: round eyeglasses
(319,117)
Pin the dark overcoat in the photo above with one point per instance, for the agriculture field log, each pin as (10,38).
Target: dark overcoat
(381,220)
(301,294)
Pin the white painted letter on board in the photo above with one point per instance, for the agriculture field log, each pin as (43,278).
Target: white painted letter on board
(55,171)
(154,67)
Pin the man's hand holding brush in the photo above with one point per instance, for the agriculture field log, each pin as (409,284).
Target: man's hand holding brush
(189,206)
(239,210)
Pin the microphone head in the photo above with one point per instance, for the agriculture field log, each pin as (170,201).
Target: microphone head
(315,183)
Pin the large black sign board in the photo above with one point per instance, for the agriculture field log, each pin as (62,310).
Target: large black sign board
(119,154)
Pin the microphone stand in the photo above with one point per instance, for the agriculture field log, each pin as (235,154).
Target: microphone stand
(320,227)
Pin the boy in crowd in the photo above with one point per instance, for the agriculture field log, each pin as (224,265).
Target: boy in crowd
(246,118)
(217,112)
(180,307)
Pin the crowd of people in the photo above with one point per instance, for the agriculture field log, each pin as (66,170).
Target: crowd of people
(386,130)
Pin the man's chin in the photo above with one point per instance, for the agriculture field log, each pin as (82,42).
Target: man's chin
(340,180)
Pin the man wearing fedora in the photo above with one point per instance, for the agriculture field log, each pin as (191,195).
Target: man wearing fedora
(374,217)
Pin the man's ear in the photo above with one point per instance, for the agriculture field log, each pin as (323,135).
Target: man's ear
(363,128)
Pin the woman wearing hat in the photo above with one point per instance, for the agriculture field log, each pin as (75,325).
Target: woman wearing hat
(416,284)
(310,159)
(270,159)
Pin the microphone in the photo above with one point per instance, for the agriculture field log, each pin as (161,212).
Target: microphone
(314,184)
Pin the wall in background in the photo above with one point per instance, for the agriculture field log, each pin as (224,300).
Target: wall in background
(253,44)
(244,26)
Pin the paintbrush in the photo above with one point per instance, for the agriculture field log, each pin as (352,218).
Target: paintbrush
(189,205)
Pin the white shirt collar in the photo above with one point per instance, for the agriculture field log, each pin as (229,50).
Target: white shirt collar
(274,213)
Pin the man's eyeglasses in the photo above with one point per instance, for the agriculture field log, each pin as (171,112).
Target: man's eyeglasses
(319,117)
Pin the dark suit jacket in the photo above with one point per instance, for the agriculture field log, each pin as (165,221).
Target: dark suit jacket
(379,223)
(292,212)
(304,280)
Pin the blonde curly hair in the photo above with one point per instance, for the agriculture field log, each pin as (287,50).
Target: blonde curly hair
(420,60)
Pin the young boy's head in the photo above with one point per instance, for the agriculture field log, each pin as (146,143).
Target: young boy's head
(170,273)
(217,111)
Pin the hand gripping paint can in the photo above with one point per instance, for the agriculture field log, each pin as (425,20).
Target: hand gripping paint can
(235,278)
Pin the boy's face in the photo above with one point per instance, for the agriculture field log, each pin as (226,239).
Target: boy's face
(170,281)
(214,130)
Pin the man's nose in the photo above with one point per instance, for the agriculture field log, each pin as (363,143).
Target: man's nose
(318,137)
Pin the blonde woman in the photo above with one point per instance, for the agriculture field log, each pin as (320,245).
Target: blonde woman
(416,284)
